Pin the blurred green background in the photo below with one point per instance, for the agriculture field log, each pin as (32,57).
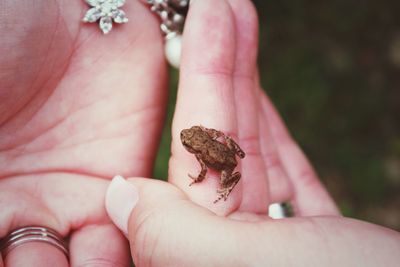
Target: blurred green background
(333,71)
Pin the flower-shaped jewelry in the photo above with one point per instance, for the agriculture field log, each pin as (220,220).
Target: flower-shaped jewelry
(106,11)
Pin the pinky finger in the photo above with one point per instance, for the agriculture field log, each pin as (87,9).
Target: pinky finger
(310,196)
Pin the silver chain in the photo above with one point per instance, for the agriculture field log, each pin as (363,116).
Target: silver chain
(172,14)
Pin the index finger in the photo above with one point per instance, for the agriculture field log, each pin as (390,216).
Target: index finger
(205,95)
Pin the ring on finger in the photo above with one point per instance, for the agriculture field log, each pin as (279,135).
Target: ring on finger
(28,234)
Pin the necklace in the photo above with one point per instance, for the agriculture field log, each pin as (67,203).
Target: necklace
(172,14)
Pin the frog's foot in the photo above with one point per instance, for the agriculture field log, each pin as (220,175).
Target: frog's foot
(224,192)
(221,196)
(194,179)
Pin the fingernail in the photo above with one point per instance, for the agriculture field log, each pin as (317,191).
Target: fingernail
(121,198)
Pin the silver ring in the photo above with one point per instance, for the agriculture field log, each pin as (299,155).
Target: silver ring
(32,234)
(280,210)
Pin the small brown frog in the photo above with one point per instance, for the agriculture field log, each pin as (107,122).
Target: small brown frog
(211,153)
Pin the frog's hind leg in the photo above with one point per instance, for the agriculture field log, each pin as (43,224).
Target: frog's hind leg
(227,185)
(202,173)
(215,134)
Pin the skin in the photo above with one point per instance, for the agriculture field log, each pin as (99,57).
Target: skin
(220,89)
(202,142)
(75,109)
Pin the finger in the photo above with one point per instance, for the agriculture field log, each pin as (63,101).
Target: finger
(255,183)
(280,187)
(205,95)
(99,245)
(310,196)
(36,254)
(41,200)
(165,226)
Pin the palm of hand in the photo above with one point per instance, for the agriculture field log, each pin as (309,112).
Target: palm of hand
(75,106)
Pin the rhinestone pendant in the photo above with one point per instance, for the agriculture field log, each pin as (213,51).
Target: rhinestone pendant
(106,11)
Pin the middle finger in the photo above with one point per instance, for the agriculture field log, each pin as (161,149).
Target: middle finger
(255,183)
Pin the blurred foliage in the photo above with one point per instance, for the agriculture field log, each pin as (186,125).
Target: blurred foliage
(161,164)
(333,71)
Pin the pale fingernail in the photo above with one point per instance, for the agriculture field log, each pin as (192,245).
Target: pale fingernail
(121,198)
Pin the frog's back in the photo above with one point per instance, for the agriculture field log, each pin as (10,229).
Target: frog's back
(219,157)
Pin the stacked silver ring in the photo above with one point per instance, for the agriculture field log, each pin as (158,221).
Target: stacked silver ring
(32,234)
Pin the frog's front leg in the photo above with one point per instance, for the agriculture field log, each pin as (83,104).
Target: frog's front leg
(228,182)
(202,173)
(234,146)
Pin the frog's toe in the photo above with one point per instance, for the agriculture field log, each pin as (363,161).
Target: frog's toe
(218,199)
(194,179)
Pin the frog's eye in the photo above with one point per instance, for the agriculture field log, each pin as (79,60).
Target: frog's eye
(186,134)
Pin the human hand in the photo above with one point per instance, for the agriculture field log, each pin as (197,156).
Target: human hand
(76,107)
(177,225)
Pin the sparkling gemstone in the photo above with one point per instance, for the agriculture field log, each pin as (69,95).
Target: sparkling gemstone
(92,15)
(119,3)
(119,16)
(106,24)
(93,2)
(107,7)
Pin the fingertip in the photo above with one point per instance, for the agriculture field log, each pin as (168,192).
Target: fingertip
(121,198)
(209,38)
(128,198)
(246,22)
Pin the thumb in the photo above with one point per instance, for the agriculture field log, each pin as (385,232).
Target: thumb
(164,227)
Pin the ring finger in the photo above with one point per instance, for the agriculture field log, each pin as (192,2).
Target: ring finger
(310,198)
(281,189)
(36,254)
(255,183)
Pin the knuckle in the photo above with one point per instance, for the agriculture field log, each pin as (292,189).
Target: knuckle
(308,178)
(214,70)
(102,262)
(146,238)
(250,145)
(271,160)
